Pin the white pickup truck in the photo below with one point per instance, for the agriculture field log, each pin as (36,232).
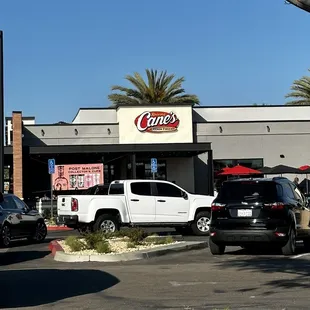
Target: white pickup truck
(142,203)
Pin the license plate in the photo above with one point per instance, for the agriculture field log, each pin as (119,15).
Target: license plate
(245,213)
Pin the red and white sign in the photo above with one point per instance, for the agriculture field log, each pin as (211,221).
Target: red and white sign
(157,122)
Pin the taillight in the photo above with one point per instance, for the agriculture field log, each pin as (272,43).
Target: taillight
(74,205)
(275,205)
(217,206)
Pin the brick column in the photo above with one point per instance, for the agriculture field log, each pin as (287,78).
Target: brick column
(17,154)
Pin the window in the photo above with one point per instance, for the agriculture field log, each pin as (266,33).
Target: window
(248,190)
(288,191)
(102,190)
(19,203)
(254,163)
(143,170)
(168,190)
(116,189)
(279,190)
(8,203)
(141,188)
(298,195)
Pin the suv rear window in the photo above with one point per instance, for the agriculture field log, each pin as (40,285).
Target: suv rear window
(243,191)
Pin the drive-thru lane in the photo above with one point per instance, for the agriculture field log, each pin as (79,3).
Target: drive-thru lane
(191,280)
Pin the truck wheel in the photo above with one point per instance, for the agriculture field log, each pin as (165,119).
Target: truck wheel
(216,249)
(106,223)
(201,226)
(289,247)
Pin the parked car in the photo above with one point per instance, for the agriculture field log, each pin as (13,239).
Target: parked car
(137,203)
(18,221)
(248,212)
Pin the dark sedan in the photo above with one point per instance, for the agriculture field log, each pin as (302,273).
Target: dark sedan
(18,221)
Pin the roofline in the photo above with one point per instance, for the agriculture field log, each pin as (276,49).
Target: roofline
(70,124)
(23,117)
(93,108)
(153,105)
(254,121)
(249,106)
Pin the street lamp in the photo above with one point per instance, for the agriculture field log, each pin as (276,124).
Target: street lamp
(1,115)
(302,4)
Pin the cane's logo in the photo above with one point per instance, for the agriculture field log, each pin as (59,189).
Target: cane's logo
(157,122)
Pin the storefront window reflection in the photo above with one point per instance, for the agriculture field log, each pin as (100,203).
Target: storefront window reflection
(219,164)
(254,163)
(144,170)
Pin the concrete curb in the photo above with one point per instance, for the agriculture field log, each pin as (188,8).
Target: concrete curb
(61,256)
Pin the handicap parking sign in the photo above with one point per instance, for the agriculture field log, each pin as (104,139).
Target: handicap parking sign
(154,165)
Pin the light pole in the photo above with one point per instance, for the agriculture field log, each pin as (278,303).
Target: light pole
(302,4)
(1,115)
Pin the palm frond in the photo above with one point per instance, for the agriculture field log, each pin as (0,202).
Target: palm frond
(159,89)
(123,100)
(301,91)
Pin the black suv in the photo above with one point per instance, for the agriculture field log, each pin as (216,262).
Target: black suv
(248,212)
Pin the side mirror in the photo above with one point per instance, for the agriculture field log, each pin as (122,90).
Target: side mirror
(184,195)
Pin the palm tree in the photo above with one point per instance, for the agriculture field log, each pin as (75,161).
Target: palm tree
(159,89)
(300,92)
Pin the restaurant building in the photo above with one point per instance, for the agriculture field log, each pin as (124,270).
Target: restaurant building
(188,143)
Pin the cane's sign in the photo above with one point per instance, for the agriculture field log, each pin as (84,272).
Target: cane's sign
(157,122)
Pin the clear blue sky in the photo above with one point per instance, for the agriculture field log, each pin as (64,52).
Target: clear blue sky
(63,55)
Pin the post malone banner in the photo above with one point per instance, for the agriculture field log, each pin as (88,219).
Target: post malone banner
(68,177)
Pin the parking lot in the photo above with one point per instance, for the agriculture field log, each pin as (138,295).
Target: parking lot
(30,278)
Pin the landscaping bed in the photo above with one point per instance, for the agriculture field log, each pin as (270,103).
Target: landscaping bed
(121,242)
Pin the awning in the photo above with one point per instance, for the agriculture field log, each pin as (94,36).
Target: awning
(186,149)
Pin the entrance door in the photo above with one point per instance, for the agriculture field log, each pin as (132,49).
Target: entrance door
(171,205)
(141,202)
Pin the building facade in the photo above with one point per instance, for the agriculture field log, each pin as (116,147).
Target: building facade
(188,142)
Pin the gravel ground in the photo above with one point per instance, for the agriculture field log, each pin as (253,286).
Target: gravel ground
(118,246)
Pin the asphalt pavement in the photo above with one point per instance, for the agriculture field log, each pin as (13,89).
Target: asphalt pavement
(31,279)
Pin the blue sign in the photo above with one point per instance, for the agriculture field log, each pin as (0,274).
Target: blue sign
(154,165)
(51,166)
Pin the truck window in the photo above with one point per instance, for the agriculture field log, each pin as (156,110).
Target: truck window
(141,188)
(168,190)
(116,189)
(102,190)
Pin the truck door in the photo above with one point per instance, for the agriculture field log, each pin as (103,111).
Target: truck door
(172,205)
(141,202)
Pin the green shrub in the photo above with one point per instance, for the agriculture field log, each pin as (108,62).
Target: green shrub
(166,240)
(93,238)
(131,245)
(103,247)
(75,244)
(116,234)
(136,235)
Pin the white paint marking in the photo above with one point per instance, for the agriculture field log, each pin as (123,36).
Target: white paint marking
(300,255)
(176,284)
(3,250)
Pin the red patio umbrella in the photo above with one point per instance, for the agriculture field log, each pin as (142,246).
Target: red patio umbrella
(239,170)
